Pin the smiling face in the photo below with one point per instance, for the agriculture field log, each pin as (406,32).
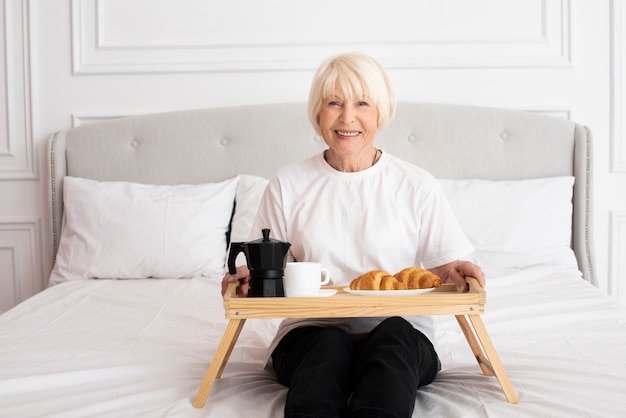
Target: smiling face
(350,101)
(349,77)
(348,125)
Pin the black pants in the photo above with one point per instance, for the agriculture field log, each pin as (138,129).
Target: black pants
(330,375)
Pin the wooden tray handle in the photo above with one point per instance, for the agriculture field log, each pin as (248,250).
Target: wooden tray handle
(473,284)
(231,291)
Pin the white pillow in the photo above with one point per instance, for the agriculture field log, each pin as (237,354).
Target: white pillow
(129,230)
(249,193)
(247,199)
(518,223)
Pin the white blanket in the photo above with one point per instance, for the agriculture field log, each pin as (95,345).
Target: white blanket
(141,348)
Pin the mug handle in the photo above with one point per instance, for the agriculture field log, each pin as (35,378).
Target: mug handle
(325,275)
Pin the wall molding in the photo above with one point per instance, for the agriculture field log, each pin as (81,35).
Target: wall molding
(618,87)
(558,112)
(17,150)
(93,51)
(617,263)
(21,237)
(87,118)
(10,248)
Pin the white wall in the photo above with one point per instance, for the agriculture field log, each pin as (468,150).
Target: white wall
(67,62)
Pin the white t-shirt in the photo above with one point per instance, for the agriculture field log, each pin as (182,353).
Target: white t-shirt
(390,216)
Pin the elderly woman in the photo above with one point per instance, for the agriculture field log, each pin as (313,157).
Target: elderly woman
(355,208)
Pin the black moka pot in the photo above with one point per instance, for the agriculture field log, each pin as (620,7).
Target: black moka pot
(266,259)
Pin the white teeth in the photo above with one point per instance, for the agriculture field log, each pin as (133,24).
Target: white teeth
(344,133)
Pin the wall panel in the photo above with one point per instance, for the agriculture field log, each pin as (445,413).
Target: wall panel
(199,36)
(617,260)
(17,155)
(618,39)
(21,275)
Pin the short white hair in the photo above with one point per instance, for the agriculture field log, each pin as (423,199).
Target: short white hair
(357,76)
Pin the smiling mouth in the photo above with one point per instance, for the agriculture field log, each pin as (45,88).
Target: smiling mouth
(348,133)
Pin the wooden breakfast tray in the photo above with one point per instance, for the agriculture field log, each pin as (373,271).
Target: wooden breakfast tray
(444,300)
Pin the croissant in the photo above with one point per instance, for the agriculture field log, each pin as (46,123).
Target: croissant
(376,280)
(408,278)
(418,278)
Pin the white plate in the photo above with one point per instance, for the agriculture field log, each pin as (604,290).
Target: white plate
(321,294)
(388,292)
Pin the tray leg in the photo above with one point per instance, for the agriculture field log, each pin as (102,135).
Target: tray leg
(483,362)
(233,329)
(489,357)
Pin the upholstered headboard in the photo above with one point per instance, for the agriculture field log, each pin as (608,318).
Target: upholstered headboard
(450,141)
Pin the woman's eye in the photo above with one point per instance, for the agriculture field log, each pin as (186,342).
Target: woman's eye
(363,104)
(334,104)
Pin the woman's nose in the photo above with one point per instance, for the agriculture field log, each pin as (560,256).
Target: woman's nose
(347,114)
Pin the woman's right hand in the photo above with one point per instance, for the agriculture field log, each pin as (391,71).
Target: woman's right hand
(242,276)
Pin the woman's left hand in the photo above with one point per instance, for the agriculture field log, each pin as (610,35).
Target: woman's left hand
(457,271)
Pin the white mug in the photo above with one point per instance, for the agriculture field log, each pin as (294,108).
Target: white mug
(304,278)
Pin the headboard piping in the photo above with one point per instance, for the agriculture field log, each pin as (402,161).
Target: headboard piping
(587,206)
(53,196)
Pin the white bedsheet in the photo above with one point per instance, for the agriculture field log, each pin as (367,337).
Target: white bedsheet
(141,348)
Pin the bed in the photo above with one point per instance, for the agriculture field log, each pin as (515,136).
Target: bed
(142,209)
